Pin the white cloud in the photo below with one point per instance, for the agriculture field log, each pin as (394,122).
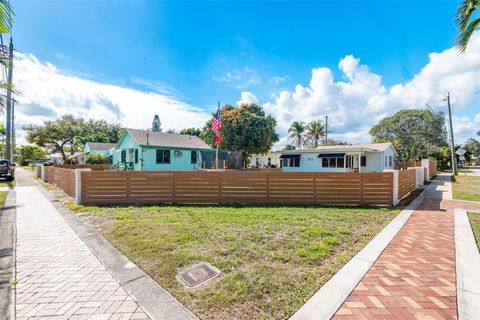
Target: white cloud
(360,100)
(246,98)
(278,79)
(47,93)
(240,79)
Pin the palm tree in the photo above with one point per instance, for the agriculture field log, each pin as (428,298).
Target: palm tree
(315,131)
(296,132)
(6,16)
(6,22)
(465,26)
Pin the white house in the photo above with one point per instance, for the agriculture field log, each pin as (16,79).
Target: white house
(372,157)
(267,160)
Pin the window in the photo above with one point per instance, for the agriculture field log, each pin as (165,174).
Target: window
(178,153)
(340,163)
(390,161)
(292,162)
(123,156)
(163,156)
(269,162)
(296,162)
(363,161)
(386,165)
(136,155)
(193,157)
(333,162)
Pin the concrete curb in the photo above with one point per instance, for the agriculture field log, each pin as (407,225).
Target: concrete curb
(7,256)
(326,301)
(467,260)
(152,298)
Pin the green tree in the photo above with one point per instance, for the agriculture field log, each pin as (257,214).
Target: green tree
(27,154)
(97,131)
(315,131)
(416,134)
(296,133)
(69,134)
(191,131)
(466,26)
(96,159)
(156,124)
(289,147)
(472,146)
(245,128)
(57,135)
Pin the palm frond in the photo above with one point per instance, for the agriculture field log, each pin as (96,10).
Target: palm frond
(6,16)
(464,12)
(464,36)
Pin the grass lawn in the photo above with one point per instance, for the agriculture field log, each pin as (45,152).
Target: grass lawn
(272,258)
(28,168)
(47,186)
(466,188)
(3,195)
(475,222)
(5,183)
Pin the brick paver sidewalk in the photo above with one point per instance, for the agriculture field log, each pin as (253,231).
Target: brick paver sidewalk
(58,276)
(414,278)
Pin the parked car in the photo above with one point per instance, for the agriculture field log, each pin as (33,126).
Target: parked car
(7,170)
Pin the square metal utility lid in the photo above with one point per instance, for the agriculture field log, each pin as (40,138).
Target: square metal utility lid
(198,274)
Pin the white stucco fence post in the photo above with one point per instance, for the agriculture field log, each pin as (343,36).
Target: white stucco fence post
(395,186)
(426,165)
(419,176)
(78,185)
(43,173)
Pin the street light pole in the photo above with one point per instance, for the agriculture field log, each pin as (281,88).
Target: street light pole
(454,158)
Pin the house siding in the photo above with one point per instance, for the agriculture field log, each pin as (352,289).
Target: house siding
(309,162)
(147,156)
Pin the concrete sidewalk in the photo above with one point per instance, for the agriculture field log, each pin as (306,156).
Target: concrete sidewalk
(58,275)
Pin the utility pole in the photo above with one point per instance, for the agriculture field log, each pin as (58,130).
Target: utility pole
(8,143)
(326,130)
(454,158)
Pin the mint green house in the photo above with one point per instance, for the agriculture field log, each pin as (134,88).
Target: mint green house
(149,150)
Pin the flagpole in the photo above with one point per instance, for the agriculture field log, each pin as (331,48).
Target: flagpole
(216,140)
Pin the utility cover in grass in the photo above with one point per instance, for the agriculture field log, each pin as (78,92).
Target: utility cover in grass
(198,274)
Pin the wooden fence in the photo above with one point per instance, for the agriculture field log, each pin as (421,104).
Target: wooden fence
(406,182)
(142,187)
(403,165)
(94,167)
(62,178)
(432,168)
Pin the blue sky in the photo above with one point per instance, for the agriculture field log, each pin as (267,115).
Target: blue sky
(201,52)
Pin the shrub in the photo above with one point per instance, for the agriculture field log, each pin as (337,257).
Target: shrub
(96,159)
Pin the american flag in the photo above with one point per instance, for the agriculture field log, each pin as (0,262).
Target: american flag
(217,122)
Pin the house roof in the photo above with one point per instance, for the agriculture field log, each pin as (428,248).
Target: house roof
(160,139)
(99,146)
(370,147)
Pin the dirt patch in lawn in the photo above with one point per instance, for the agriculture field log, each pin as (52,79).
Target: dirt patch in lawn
(273,259)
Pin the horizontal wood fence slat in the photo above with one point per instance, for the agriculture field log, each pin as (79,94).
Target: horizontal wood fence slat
(84,166)
(143,187)
(406,182)
(403,165)
(62,178)
(432,168)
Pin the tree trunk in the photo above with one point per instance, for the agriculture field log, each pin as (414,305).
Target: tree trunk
(64,156)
